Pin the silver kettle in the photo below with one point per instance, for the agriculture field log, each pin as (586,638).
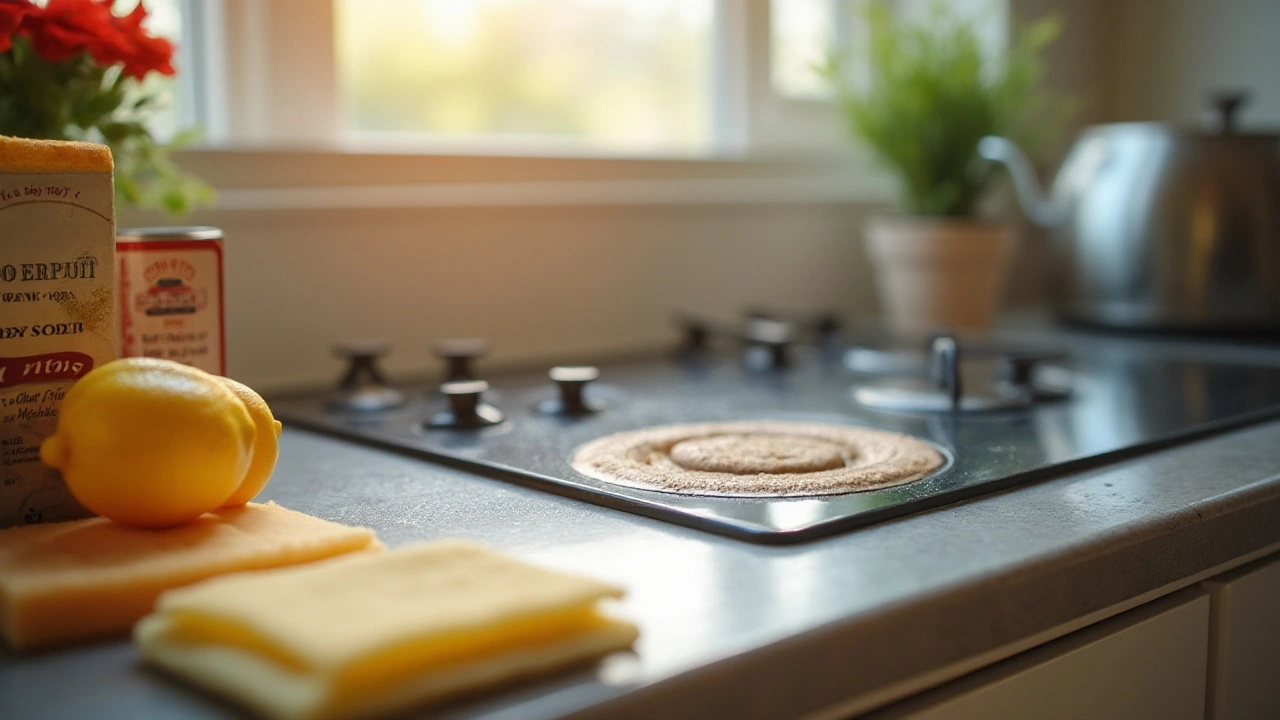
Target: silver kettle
(1159,227)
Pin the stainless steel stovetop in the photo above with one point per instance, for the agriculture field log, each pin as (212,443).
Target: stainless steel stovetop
(1024,412)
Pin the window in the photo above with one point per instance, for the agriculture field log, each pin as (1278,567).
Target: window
(801,33)
(616,75)
(165,19)
(549,77)
(175,110)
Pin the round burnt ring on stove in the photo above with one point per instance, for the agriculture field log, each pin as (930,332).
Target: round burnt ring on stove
(758,459)
(755,453)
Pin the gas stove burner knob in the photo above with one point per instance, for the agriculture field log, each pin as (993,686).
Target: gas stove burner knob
(467,409)
(694,335)
(943,391)
(931,337)
(571,380)
(363,388)
(944,368)
(826,326)
(362,348)
(1021,371)
(459,355)
(767,331)
(770,340)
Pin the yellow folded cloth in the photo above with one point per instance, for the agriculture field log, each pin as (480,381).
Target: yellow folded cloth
(360,636)
(61,582)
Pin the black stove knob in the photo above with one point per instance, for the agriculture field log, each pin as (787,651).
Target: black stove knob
(467,409)
(1023,371)
(694,335)
(363,387)
(459,355)
(826,328)
(769,344)
(571,381)
(944,368)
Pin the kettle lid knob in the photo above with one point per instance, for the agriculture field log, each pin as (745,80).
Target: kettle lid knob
(1226,105)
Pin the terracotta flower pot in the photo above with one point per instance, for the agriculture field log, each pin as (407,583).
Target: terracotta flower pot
(937,272)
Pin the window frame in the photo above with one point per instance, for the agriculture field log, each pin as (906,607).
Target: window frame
(263,66)
(268,77)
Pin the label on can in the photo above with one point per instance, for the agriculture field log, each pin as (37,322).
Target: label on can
(171,301)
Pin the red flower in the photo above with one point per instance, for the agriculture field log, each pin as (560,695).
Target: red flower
(142,52)
(11,14)
(65,28)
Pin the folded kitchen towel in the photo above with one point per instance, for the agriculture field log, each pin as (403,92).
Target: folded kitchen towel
(360,636)
(63,582)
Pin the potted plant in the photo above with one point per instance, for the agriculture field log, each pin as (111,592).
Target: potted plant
(74,70)
(921,93)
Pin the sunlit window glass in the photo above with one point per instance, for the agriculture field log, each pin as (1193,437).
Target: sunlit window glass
(802,32)
(164,18)
(630,76)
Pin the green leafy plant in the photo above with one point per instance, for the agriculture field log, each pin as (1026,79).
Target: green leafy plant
(72,70)
(928,92)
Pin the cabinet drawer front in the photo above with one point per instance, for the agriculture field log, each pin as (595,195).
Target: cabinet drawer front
(1244,658)
(1148,663)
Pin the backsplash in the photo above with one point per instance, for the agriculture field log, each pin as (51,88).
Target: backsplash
(542,283)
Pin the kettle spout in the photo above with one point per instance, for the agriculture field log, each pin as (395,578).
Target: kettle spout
(1045,212)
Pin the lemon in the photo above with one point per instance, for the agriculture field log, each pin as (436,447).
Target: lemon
(266,448)
(151,443)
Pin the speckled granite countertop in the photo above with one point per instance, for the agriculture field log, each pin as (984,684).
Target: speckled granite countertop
(731,629)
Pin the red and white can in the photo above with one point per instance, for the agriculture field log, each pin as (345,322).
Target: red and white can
(170,293)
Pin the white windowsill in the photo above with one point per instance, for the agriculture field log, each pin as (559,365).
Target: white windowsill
(257,180)
(553,193)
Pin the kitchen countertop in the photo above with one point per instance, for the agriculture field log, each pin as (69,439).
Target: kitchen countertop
(830,627)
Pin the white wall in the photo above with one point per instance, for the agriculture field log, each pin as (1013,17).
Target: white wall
(544,284)
(1168,54)
(553,261)
(1140,60)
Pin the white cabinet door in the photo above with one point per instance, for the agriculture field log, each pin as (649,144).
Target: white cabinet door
(1148,663)
(1244,652)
